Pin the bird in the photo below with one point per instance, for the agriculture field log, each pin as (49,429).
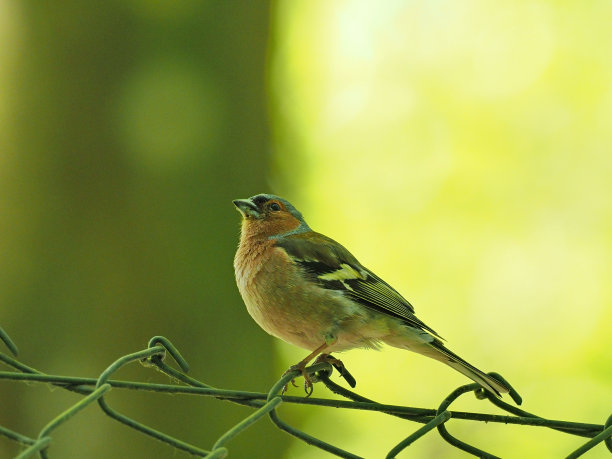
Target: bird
(310,291)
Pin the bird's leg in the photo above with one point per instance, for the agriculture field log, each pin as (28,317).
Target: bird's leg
(301,366)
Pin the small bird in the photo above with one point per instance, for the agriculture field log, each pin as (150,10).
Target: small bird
(308,290)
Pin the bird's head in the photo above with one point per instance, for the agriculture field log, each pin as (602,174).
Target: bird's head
(269,216)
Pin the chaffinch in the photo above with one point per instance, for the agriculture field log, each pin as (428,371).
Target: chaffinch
(308,290)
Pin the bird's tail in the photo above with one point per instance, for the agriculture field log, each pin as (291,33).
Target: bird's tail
(448,357)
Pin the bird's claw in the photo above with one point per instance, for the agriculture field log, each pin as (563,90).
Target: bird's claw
(308,388)
(310,379)
(328,358)
(286,386)
(339,366)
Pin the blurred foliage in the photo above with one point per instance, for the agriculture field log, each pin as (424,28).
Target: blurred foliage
(461,150)
(126,130)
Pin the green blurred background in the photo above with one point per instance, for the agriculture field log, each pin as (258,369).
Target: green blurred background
(460,149)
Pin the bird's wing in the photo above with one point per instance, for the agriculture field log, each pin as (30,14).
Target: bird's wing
(333,267)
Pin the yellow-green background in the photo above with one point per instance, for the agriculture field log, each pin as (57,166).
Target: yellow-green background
(460,149)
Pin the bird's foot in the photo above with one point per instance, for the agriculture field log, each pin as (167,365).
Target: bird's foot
(339,366)
(307,379)
(328,358)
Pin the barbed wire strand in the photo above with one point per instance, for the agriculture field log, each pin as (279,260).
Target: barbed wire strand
(95,389)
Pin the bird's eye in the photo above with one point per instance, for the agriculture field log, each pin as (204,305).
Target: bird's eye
(275,207)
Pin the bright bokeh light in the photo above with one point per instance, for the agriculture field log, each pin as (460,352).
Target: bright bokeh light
(461,150)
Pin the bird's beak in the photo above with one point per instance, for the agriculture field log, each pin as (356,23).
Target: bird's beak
(247,208)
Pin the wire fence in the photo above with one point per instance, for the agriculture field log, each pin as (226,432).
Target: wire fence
(94,391)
